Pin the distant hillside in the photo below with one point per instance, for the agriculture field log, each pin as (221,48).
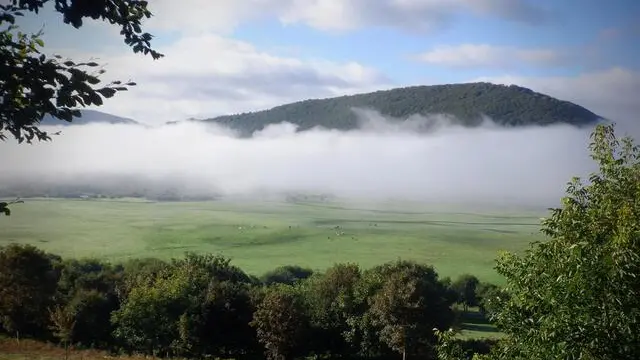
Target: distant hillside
(89,117)
(506,105)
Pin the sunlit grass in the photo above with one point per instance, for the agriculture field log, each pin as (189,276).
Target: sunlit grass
(259,236)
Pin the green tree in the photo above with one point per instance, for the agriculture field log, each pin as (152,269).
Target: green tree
(88,287)
(219,326)
(92,309)
(447,347)
(331,301)
(167,308)
(488,295)
(465,289)
(409,304)
(150,318)
(27,286)
(288,274)
(577,295)
(281,322)
(63,322)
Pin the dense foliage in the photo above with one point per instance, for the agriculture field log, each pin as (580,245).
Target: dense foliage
(202,305)
(467,103)
(576,295)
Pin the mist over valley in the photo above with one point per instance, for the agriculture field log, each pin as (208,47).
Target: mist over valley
(424,158)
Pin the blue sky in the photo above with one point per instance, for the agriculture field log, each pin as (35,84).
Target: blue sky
(228,56)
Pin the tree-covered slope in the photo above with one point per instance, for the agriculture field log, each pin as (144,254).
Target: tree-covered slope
(506,105)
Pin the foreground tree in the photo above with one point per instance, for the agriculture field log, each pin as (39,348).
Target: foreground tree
(330,298)
(170,312)
(281,322)
(577,295)
(88,289)
(63,322)
(465,290)
(27,286)
(409,304)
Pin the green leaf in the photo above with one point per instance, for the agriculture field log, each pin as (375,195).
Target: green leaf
(95,98)
(107,92)
(93,80)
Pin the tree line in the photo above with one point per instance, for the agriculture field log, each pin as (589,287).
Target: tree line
(202,305)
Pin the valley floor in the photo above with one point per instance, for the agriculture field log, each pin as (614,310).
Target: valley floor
(259,236)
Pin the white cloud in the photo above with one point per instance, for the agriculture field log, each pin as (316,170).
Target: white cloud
(224,15)
(489,56)
(612,93)
(209,75)
(198,16)
(499,165)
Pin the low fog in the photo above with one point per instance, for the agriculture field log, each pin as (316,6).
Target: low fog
(426,159)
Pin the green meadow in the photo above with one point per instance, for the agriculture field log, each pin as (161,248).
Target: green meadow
(259,236)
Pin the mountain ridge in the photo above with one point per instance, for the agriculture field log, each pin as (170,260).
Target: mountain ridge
(469,103)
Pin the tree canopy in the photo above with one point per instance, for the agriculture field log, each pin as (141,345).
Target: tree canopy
(34,85)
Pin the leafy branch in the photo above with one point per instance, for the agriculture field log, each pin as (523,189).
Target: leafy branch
(4,206)
(33,85)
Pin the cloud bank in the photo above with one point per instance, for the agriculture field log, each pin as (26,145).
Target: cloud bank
(338,15)
(209,75)
(489,164)
(469,56)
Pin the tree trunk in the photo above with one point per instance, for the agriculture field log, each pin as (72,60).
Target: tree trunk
(404,342)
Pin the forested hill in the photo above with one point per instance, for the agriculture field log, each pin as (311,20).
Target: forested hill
(506,105)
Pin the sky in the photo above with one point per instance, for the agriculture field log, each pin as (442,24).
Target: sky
(232,56)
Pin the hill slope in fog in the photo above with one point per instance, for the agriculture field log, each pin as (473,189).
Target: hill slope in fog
(89,117)
(467,103)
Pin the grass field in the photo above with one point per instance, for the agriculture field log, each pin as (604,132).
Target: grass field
(259,236)
(474,325)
